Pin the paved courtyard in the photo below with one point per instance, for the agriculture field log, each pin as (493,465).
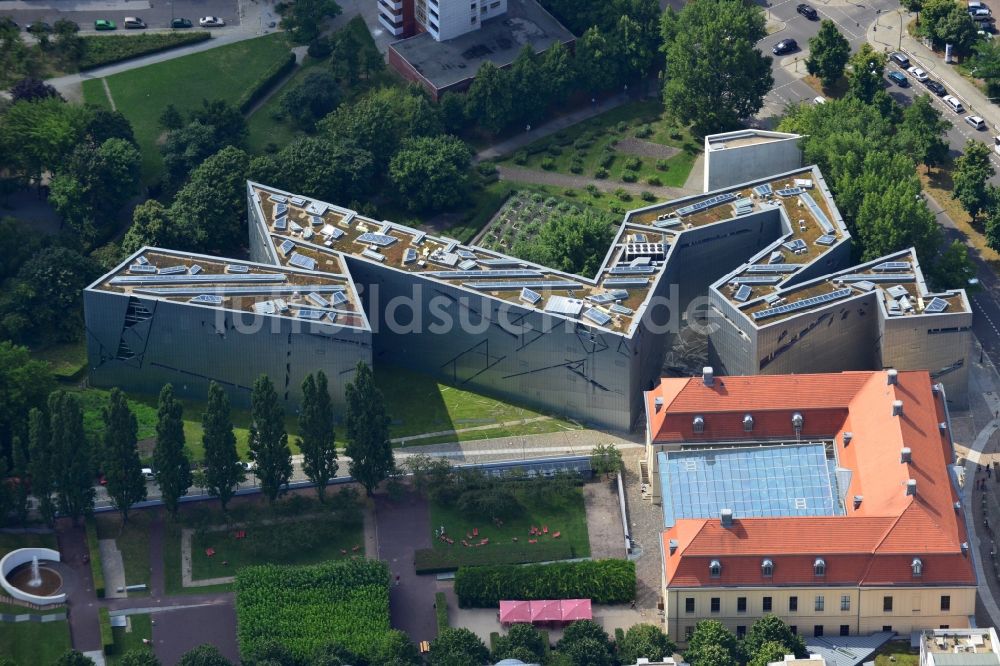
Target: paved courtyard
(178,631)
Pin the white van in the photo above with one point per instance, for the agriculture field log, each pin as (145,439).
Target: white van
(953,103)
(975,4)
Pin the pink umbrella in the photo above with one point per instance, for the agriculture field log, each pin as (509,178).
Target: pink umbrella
(545,611)
(514,611)
(576,609)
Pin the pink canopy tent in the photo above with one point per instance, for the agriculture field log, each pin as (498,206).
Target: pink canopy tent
(515,611)
(546,611)
(576,609)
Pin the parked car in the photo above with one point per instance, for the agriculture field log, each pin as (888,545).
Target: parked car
(38,28)
(976,122)
(898,78)
(936,87)
(900,59)
(918,74)
(978,13)
(147,474)
(104,24)
(807,11)
(134,22)
(181,23)
(211,22)
(819,100)
(785,46)
(953,103)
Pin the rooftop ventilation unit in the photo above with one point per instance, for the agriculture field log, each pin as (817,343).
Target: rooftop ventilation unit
(848,436)
(891,376)
(911,487)
(905,455)
(707,375)
(726,517)
(897,407)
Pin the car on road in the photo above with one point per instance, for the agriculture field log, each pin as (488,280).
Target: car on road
(918,74)
(38,28)
(807,11)
(953,103)
(936,87)
(147,474)
(785,46)
(134,22)
(104,24)
(819,100)
(900,59)
(976,122)
(211,22)
(181,23)
(898,78)
(979,13)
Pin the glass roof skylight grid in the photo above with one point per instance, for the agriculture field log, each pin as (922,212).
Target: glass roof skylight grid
(372,254)
(936,305)
(796,245)
(281,223)
(237,268)
(505,261)
(302,261)
(459,275)
(758,482)
(195,269)
(803,304)
(625,282)
(337,298)
(297,201)
(621,309)
(318,300)
(596,316)
(743,293)
(872,277)
(707,203)
(278,198)
(314,315)
(663,224)
(334,233)
(632,270)
(418,238)
(619,294)
(207,299)
(790,191)
(639,238)
(888,266)
(773,268)
(466,264)
(316,220)
(196,279)
(142,268)
(286,247)
(295,228)
(601,299)
(409,255)
(818,213)
(529,296)
(382,240)
(502,286)
(897,291)
(826,239)
(281,209)
(466,254)
(763,190)
(142,261)
(756,279)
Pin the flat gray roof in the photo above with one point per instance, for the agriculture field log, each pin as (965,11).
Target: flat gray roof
(499,40)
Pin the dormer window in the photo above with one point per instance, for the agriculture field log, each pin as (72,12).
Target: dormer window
(698,425)
(767,568)
(917,567)
(747,423)
(715,568)
(819,567)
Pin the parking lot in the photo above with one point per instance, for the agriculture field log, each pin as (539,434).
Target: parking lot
(156,13)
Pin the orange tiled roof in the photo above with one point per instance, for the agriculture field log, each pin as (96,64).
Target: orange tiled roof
(873,543)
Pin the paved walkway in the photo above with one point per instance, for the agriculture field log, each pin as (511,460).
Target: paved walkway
(83,626)
(574,182)
(157,577)
(114,569)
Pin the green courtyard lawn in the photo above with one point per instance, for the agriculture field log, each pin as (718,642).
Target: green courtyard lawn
(590,142)
(132,541)
(66,360)
(34,642)
(563,513)
(224,73)
(10,541)
(125,641)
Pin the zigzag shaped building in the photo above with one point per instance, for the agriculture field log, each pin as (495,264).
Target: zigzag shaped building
(328,287)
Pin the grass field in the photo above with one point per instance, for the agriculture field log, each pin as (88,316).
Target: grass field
(590,146)
(65,360)
(896,653)
(132,541)
(565,514)
(9,542)
(142,627)
(34,642)
(221,73)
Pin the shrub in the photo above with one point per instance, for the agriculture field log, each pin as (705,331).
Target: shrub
(622,126)
(630,176)
(538,197)
(441,611)
(100,50)
(576,167)
(633,164)
(569,193)
(563,139)
(438,560)
(607,160)
(622,194)
(320,48)
(615,208)
(583,143)
(486,168)
(554,150)
(548,164)
(662,165)
(520,157)
(654,180)
(592,189)
(647,196)
(601,173)
(266,81)
(535,148)
(676,134)
(550,202)
(644,132)
(603,581)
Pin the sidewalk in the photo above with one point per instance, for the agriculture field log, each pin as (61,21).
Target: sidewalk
(886,37)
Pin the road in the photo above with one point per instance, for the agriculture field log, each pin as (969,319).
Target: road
(157,15)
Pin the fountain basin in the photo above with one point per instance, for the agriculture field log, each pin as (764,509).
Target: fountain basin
(17,565)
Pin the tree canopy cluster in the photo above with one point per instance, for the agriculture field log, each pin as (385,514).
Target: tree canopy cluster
(948,22)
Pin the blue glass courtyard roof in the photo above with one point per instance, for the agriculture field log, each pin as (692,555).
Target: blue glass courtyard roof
(755,482)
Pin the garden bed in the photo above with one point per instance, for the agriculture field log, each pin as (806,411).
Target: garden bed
(100,50)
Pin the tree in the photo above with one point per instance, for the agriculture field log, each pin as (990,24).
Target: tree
(68,44)
(151,226)
(953,268)
(209,212)
(171,465)
(319,453)
(36,137)
(594,61)
(865,77)
(139,657)
(520,638)
(74,480)
(42,464)
(74,658)
(204,655)
(368,443)
(431,173)
(606,459)
(986,65)
(185,148)
(645,640)
(771,629)
(972,171)
(396,649)
(637,45)
(120,454)
(329,169)
(575,243)
(316,96)
(708,636)
(457,647)
(227,122)
(333,654)
(829,52)
(6,491)
(222,468)
(268,440)
(104,124)
(913,5)
(922,133)
(956,28)
(22,489)
(767,653)
(25,382)
(30,89)
(346,60)
(52,295)
(171,118)
(303,19)
(715,74)
(587,652)
(993,228)
(557,72)
(490,99)
(452,109)
(528,87)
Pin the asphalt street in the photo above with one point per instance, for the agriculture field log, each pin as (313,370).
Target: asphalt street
(156,13)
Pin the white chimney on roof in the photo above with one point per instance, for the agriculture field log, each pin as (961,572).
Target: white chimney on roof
(911,487)
(708,375)
(657,405)
(726,517)
(897,407)
(891,376)
(905,455)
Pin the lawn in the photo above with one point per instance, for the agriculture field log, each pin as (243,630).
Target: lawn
(132,541)
(221,73)
(34,642)
(66,360)
(561,513)
(897,653)
(591,148)
(9,541)
(938,184)
(142,627)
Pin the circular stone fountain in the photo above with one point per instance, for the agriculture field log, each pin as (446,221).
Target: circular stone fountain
(24,576)
(35,579)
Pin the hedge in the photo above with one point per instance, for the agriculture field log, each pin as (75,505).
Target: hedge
(439,560)
(602,581)
(96,570)
(441,611)
(100,50)
(257,91)
(107,636)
